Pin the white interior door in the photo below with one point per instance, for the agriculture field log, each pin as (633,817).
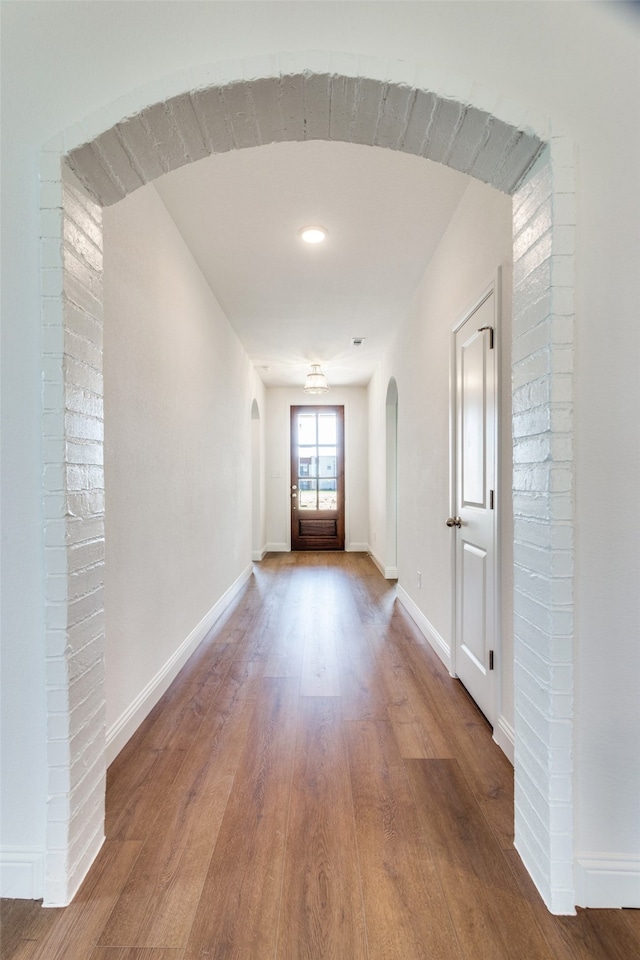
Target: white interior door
(473,520)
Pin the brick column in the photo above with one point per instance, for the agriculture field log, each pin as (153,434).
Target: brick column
(543,489)
(73,479)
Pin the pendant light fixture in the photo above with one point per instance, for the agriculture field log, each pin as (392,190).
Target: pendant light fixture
(316,381)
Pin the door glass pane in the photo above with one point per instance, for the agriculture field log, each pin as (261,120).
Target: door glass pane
(328,494)
(306,428)
(327,462)
(307,466)
(327,429)
(308,495)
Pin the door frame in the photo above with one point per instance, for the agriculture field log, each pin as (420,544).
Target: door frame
(494,288)
(341,449)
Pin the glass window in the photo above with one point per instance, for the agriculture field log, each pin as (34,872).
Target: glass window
(307,467)
(308,498)
(317,461)
(327,463)
(307,429)
(327,433)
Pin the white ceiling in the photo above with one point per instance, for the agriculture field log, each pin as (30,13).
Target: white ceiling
(291,303)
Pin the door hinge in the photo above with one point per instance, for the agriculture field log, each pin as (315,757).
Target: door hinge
(490,329)
(490,659)
(491,507)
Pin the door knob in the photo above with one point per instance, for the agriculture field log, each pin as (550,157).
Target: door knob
(454,522)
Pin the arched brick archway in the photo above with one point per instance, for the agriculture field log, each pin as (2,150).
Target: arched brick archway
(246,104)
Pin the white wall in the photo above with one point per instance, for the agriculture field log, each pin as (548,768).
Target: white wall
(476,243)
(178,396)
(575,63)
(278,461)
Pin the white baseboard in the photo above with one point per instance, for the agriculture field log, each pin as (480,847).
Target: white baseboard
(258,555)
(427,629)
(277,548)
(606,881)
(357,548)
(389,573)
(504,736)
(129,721)
(21,872)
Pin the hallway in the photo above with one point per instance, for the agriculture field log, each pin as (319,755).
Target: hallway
(313,785)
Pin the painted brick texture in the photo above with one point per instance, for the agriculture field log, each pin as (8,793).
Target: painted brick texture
(543,227)
(298,97)
(355,109)
(74,529)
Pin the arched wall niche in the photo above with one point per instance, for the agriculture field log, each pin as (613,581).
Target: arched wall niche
(392,393)
(296,97)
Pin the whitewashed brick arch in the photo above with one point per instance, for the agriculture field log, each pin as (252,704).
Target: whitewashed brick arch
(302,97)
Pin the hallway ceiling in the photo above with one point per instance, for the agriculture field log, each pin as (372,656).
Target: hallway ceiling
(291,303)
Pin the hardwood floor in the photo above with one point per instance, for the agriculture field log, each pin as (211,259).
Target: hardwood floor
(313,786)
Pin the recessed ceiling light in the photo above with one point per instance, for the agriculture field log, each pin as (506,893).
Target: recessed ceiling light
(313,234)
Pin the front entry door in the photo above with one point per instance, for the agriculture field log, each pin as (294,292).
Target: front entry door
(473,520)
(317,478)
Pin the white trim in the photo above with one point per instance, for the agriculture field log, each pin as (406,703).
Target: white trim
(607,881)
(357,548)
(21,872)
(505,736)
(258,555)
(430,633)
(129,721)
(497,521)
(389,573)
(277,548)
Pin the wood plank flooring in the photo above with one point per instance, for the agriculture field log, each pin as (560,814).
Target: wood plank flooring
(313,786)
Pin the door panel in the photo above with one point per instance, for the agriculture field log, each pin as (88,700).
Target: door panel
(472,602)
(317,478)
(473,446)
(475,454)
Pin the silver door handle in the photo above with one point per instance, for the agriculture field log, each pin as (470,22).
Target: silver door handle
(454,522)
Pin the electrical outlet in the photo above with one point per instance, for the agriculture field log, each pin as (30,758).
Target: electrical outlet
(419,580)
